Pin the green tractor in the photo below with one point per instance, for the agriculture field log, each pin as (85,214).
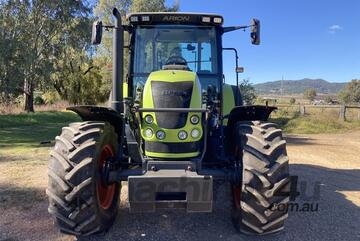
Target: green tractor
(173,127)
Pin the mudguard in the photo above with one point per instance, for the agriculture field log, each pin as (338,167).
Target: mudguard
(250,113)
(97,113)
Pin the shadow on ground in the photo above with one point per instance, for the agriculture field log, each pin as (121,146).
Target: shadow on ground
(20,197)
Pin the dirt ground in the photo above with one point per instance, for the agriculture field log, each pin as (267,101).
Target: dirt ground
(328,161)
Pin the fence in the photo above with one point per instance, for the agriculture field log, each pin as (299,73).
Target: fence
(344,112)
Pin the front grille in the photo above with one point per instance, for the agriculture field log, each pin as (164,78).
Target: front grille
(171,95)
(172,147)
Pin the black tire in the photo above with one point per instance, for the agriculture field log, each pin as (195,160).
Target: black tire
(75,180)
(265,184)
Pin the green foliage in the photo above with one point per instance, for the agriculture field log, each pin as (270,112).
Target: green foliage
(51,97)
(151,6)
(292,101)
(34,35)
(247,91)
(351,93)
(310,94)
(79,79)
(328,99)
(38,100)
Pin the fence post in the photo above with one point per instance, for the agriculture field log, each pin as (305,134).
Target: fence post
(302,109)
(342,113)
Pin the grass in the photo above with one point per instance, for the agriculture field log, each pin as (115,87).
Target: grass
(23,131)
(313,123)
(23,159)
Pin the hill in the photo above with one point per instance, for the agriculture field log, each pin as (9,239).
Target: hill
(298,86)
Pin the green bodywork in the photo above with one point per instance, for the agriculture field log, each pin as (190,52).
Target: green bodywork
(228,102)
(171,135)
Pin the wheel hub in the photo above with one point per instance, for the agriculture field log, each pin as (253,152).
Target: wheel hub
(105,192)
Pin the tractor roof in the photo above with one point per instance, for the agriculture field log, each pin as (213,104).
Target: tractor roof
(151,18)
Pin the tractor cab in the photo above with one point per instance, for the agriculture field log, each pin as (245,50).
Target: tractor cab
(176,62)
(175,58)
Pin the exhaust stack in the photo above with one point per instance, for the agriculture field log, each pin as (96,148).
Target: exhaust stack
(118,64)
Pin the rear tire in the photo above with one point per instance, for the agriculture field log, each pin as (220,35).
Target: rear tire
(265,183)
(78,198)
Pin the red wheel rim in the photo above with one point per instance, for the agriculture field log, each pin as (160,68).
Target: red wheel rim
(236,190)
(105,194)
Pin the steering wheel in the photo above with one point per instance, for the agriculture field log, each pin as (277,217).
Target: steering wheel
(176,60)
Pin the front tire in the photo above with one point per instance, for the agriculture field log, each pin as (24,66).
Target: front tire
(265,183)
(78,198)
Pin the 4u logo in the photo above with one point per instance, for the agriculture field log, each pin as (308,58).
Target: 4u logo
(300,190)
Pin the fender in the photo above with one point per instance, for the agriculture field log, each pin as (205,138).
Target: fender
(97,113)
(250,113)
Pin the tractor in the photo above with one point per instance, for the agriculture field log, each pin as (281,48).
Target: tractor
(173,127)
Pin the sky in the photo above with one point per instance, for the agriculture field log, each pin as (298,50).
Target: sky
(299,38)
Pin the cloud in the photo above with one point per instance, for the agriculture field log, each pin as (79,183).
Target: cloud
(334,28)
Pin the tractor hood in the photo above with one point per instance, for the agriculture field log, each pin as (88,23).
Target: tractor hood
(171,89)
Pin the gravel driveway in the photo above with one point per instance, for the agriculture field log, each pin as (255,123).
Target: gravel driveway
(330,162)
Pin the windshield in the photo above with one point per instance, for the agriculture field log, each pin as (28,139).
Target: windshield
(160,45)
(156,46)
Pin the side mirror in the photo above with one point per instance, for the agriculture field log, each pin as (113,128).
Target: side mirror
(255,31)
(96,33)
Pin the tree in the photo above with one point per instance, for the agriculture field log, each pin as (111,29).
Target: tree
(248,92)
(78,79)
(310,94)
(152,6)
(351,92)
(328,99)
(11,75)
(292,101)
(40,30)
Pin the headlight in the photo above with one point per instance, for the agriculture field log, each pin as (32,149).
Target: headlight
(149,119)
(218,20)
(145,18)
(194,119)
(206,19)
(134,19)
(182,135)
(195,133)
(148,133)
(160,135)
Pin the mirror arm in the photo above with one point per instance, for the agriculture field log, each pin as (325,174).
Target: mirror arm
(233,28)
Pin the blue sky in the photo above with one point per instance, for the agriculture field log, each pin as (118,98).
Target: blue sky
(300,39)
